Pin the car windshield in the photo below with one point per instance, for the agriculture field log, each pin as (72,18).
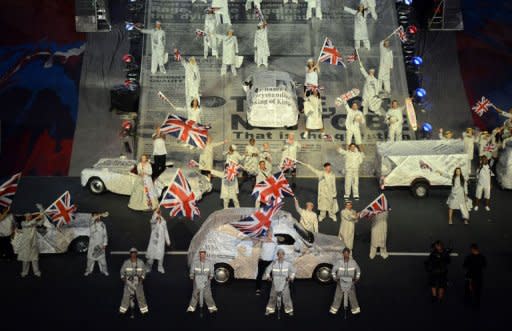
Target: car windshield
(305,234)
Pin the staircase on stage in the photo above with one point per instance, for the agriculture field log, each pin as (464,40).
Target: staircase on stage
(292,40)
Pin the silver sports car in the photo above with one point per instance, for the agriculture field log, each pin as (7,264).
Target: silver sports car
(271,99)
(235,255)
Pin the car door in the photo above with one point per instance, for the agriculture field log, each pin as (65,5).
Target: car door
(290,246)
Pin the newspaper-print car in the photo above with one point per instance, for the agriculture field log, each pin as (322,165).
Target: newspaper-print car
(420,164)
(73,237)
(504,167)
(235,255)
(271,100)
(117,175)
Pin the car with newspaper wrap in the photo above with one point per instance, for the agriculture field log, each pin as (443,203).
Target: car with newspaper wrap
(504,167)
(420,164)
(235,255)
(118,175)
(271,100)
(72,237)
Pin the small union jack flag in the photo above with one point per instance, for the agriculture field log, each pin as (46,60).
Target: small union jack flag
(400,32)
(288,164)
(275,187)
(313,88)
(193,164)
(200,33)
(8,190)
(259,14)
(62,210)
(482,106)
(352,57)
(377,206)
(185,130)
(329,54)
(177,55)
(258,223)
(179,198)
(231,171)
(489,147)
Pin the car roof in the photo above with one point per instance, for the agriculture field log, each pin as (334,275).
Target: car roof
(269,78)
(115,162)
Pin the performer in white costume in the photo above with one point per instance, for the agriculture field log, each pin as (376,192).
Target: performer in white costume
(158,239)
(317,4)
(371,100)
(346,273)
(261,49)
(281,273)
(327,194)
(228,190)
(201,273)
(355,120)
(371,6)
(458,197)
(312,71)
(133,272)
(262,175)
(257,4)
(360,28)
(251,158)
(28,251)
(353,160)
(313,112)
(395,119)
(232,155)
(266,155)
(194,111)
(385,66)
(290,150)
(158,54)
(210,40)
(349,218)
(229,53)
(308,218)
(98,241)
(192,79)
(206,156)
(379,234)
(143,196)
(221,11)
(483,184)
(469,146)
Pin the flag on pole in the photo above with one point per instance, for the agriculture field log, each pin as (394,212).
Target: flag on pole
(482,106)
(377,206)
(258,223)
(177,55)
(188,131)
(193,164)
(329,54)
(231,171)
(8,190)
(400,32)
(200,33)
(179,198)
(62,210)
(275,188)
(352,57)
(288,164)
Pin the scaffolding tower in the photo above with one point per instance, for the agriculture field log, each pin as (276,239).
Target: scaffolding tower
(447,16)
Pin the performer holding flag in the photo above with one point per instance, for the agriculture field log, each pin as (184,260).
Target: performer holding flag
(377,212)
(179,198)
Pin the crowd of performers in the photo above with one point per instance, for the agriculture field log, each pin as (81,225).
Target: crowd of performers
(257,163)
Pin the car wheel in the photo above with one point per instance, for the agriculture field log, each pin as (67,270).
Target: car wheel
(322,273)
(80,245)
(223,273)
(420,190)
(96,185)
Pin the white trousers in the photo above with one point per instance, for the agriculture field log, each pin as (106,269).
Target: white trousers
(356,134)
(25,267)
(324,213)
(483,190)
(224,69)
(236,203)
(102,264)
(157,63)
(384,82)
(318,11)
(260,59)
(395,132)
(366,44)
(352,183)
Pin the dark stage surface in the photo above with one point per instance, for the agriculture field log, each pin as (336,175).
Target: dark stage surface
(393,293)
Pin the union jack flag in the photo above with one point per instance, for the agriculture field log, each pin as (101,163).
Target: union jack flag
(179,198)
(489,147)
(329,54)
(258,223)
(482,106)
(400,32)
(377,206)
(62,210)
(8,190)
(177,55)
(185,130)
(259,14)
(275,188)
(288,164)
(193,164)
(313,88)
(352,57)
(200,33)
(231,171)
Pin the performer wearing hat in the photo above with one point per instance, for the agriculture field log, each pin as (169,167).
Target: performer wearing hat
(210,39)
(395,120)
(28,252)
(261,48)
(290,149)
(354,122)
(133,272)
(327,193)
(158,239)
(346,273)
(158,55)
(308,218)
(201,273)
(98,241)
(349,218)
(353,160)
(192,79)
(281,273)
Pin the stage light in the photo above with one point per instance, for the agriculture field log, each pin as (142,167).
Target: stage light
(408,2)
(420,92)
(426,127)
(129,26)
(412,29)
(417,60)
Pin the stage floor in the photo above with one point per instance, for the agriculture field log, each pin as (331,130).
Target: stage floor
(292,41)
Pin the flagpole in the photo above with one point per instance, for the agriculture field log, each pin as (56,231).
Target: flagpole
(392,33)
(164,97)
(323,45)
(167,189)
(357,53)
(60,196)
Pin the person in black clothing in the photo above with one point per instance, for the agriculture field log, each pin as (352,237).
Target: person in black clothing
(437,268)
(474,264)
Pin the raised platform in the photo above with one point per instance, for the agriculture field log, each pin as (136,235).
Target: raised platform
(292,41)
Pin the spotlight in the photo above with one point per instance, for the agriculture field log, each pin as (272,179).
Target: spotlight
(426,127)
(129,26)
(417,60)
(128,58)
(412,29)
(408,2)
(420,92)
